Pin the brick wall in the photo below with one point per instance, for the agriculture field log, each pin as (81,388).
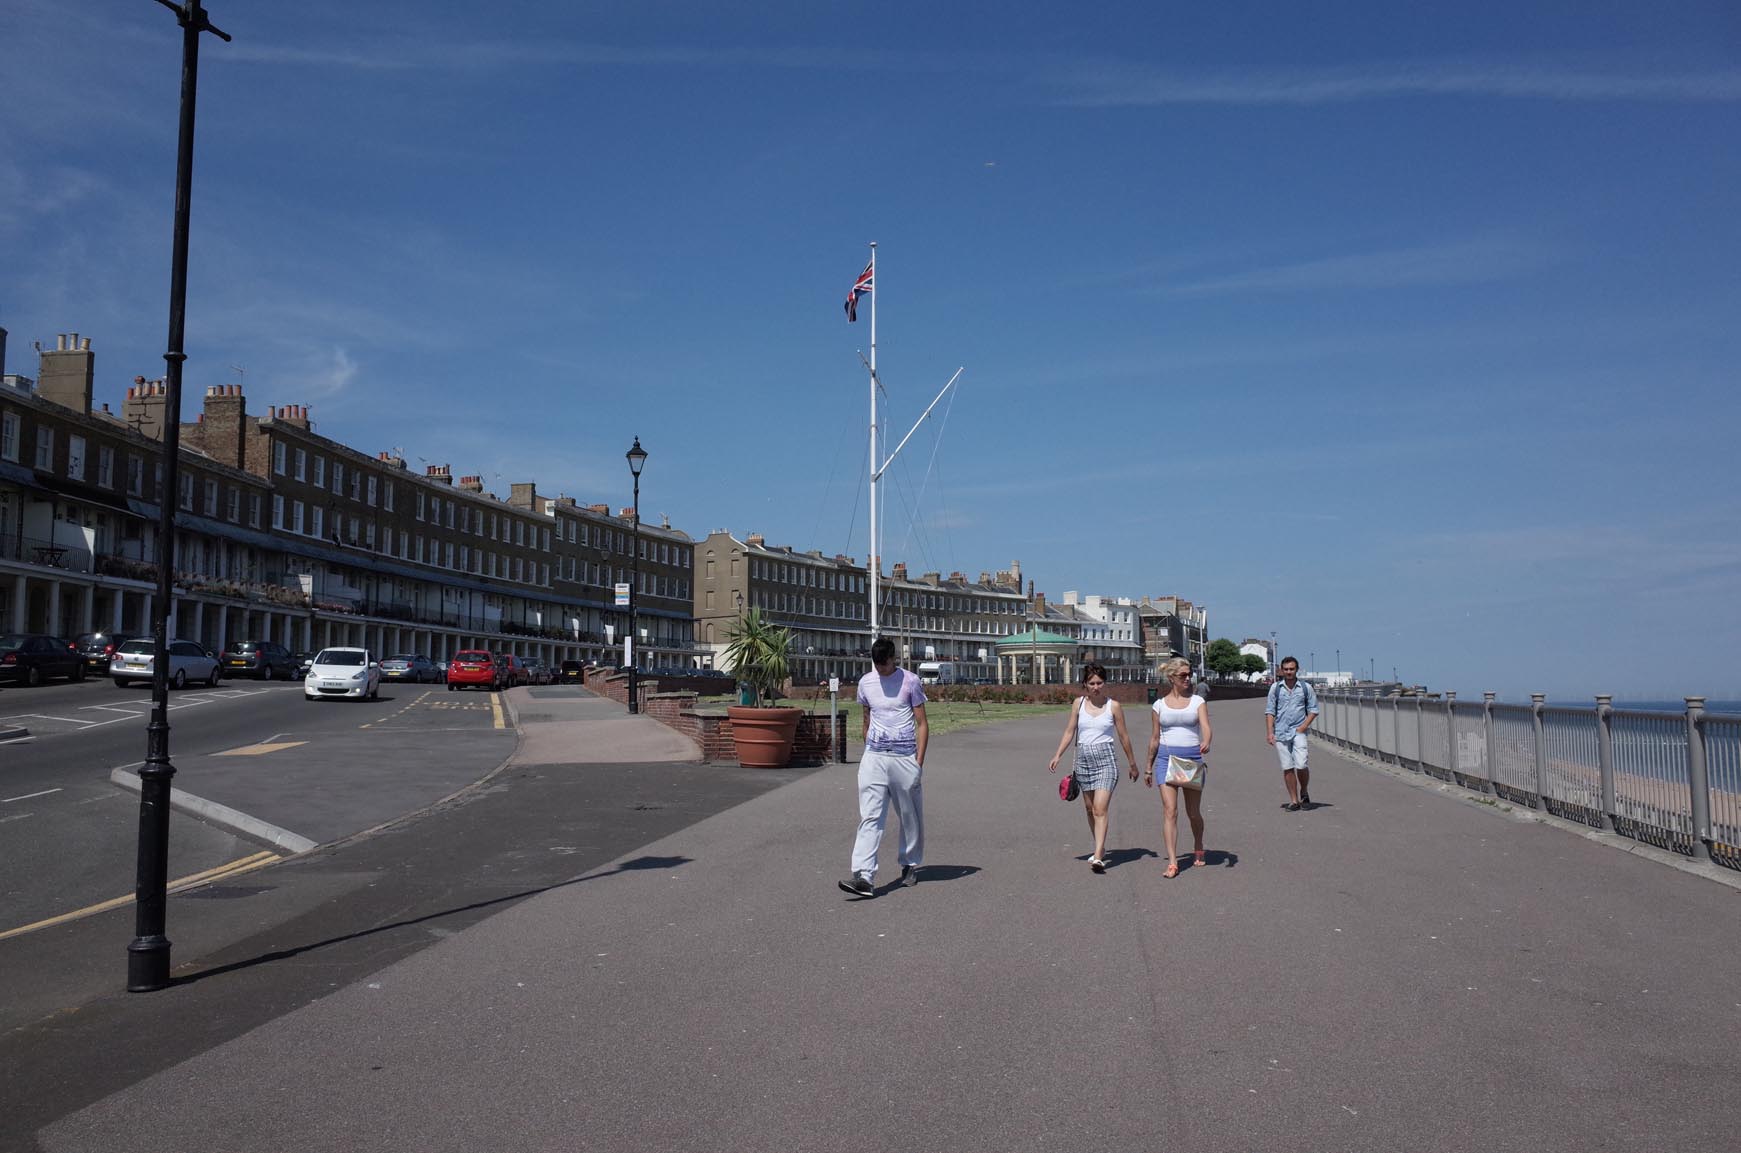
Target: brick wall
(713,733)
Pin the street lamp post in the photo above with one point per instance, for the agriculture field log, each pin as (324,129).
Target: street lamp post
(1273,667)
(148,954)
(637,457)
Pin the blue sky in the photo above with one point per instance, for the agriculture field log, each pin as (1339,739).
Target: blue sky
(1407,334)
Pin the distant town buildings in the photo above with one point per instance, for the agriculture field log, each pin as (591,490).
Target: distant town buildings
(288,535)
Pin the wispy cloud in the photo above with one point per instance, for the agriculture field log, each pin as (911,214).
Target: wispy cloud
(1103,86)
(1477,260)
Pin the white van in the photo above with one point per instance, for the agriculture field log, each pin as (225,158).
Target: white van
(938,673)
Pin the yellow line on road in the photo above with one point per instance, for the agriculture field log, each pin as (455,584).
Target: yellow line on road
(496,708)
(242,865)
(257,750)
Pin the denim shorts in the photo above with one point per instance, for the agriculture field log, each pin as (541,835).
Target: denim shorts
(1291,751)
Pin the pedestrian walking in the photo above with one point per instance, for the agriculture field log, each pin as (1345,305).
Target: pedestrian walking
(1095,720)
(1287,714)
(1181,729)
(895,735)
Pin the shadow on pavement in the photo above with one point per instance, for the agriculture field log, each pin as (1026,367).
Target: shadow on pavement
(1117,857)
(637,863)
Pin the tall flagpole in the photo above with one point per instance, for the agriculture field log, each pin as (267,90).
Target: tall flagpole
(875,464)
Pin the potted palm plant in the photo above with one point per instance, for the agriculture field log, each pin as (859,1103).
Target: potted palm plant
(756,654)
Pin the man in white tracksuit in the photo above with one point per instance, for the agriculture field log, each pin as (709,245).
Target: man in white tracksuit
(895,735)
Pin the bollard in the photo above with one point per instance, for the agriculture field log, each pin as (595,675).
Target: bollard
(1536,700)
(1488,750)
(1697,781)
(1605,757)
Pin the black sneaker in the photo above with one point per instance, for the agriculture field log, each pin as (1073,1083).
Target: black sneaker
(909,876)
(1292,806)
(859,885)
(1305,799)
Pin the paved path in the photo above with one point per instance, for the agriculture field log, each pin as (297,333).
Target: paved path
(1398,969)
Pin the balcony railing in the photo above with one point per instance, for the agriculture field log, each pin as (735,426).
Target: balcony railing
(46,553)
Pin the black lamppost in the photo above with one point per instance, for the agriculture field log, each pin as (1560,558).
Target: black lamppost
(148,954)
(637,457)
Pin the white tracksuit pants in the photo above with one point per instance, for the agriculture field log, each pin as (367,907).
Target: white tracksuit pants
(885,779)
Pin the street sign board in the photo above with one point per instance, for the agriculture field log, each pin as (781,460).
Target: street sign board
(623,594)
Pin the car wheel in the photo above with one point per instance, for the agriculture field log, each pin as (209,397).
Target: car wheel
(120,682)
(212,681)
(266,673)
(33,676)
(178,680)
(79,672)
(451,688)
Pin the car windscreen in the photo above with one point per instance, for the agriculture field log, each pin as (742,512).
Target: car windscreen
(339,657)
(143,645)
(11,642)
(404,658)
(478,656)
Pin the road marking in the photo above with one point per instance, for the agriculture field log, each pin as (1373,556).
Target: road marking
(27,796)
(243,865)
(258,750)
(46,717)
(118,709)
(496,708)
(15,817)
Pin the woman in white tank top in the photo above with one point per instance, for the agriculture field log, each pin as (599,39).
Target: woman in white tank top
(1095,720)
(1181,729)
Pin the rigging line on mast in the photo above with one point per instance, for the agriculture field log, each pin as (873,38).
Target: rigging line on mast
(852,521)
(931,470)
(828,485)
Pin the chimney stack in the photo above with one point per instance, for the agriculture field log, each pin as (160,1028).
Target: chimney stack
(144,407)
(472,484)
(439,473)
(756,540)
(524,495)
(900,570)
(66,373)
(295,415)
(223,428)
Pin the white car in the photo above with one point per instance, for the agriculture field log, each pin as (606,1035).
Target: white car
(135,660)
(342,672)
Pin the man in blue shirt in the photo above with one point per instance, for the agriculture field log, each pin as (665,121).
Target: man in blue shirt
(1290,710)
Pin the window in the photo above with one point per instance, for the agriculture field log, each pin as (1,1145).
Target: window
(404,539)
(184,482)
(351,536)
(277,511)
(356,484)
(420,506)
(44,448)
(450,514)
(254,509)
(75,458)
(435,509)
(278,454)
(296,517)
(448,550)
(418,555)
(301,465)
(369,534)
(520,532)
(371,492)
(9,436)
(316,521)
(338,478)
(387,501)
(545,536)
(544,574)
(106,466)
(235,510)
(211,502)
(320,472)
(465,557)
(465,519)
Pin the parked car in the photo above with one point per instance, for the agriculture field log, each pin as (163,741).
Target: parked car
(31,658)
(573,672)
(513,670)
(136,660)
(344,673)
(98,649)
(303,660)
(264,660)
(473,668)
(409,667)
(440,670)
(537,672)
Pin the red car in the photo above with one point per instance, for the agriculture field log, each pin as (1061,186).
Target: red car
(513,670)
(473,667)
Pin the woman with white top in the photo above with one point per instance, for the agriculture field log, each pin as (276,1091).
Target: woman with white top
(1181,729)
(1095,719)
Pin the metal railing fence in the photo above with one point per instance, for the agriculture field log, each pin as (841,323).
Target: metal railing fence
(1667,779)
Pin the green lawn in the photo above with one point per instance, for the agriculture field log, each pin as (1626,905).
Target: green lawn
(944,716)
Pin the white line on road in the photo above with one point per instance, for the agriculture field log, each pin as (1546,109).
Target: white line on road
(27,796)
(46,717)
(18,817)
(126,712)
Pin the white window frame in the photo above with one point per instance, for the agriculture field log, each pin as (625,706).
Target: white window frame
(75,457)
(301,465)
(279,454)
(277,511)
(44,448)
(105,466)
(10,427)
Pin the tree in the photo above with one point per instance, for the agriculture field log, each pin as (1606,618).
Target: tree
(1224,658)
(1254,663)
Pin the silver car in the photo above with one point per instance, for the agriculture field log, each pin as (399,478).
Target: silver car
(136,660)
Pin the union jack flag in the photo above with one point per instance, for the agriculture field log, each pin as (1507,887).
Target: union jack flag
(862,285)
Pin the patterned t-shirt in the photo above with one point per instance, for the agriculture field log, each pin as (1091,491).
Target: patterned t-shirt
(891,701)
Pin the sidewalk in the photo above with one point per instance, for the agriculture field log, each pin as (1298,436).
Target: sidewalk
(1394,970)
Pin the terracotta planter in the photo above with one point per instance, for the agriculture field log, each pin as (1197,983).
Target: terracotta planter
(763,736)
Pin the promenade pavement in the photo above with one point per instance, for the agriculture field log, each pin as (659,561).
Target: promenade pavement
(1397,969)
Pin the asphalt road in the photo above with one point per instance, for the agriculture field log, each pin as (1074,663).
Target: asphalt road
(322,770)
